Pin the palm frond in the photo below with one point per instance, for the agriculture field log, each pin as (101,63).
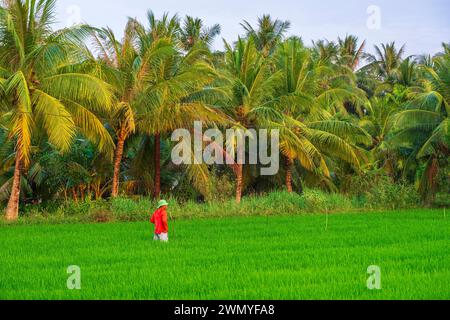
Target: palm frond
(55,119)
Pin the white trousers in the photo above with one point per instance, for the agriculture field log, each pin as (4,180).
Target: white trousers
(161,237)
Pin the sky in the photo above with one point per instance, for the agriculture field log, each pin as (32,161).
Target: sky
(420,24)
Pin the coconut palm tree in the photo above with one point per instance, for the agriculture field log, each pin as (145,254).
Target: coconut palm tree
(161,65)
(268,33)
(378,121)
(308,130)
(252,84)
(350,53)
(124,65)
(425,124)
(194,31)
(42,91)
(406,73)
(325,51)
(386,60)
(173,93)
(165,27)
(116,60)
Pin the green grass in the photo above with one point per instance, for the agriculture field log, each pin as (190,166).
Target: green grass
(288,257)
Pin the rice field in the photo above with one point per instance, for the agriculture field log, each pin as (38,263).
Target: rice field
(289,257)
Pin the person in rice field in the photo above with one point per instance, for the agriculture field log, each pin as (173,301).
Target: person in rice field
(159,219)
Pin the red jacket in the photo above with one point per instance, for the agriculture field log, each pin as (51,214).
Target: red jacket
(159,219)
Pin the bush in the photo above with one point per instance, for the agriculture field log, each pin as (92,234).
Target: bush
(279,202)
(222,187)
(320,201)
(101,216)
(393,196)
(384,195)
(442,198)
(378,191)
(83,208)
(125,209)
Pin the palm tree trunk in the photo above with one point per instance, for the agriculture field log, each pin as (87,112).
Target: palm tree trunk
(239,181)
(289,164)
(117,162)
(12,210)
(75,194)
(301,190)
(157,155)
(82,189)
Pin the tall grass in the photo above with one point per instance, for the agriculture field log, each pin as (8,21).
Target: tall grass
(271,204)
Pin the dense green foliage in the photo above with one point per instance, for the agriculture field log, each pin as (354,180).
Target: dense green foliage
(86,114)
(287,257)
(276,203)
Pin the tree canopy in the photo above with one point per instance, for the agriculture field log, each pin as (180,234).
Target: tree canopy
(88,113)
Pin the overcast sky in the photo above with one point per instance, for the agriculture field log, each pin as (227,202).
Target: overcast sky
(422,24)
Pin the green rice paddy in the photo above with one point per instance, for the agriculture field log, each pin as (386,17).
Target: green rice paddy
(288,257)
